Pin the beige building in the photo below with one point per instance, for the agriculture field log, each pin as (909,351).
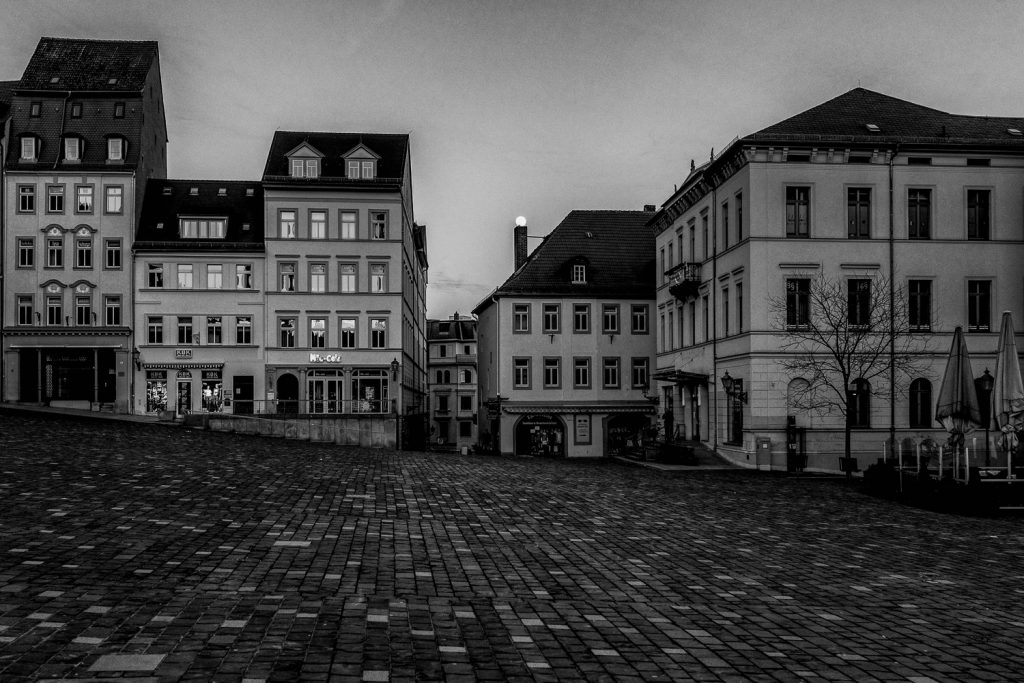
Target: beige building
(82,143)
(452,377)
(862,187)
(566,344)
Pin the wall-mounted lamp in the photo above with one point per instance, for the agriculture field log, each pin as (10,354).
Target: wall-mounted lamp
(646,392)
(394,369)
(734,387)
(137,358)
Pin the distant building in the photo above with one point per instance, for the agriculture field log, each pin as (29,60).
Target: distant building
(862,185)
(452,376)
(566,344)
(86,132)
(345,275)
(199,292)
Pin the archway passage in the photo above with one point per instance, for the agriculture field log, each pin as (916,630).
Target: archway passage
(288,394)
(541,435)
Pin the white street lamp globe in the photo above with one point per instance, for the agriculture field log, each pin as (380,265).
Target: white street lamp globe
(521,220)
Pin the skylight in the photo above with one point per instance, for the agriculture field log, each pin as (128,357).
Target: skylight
(167,190)
(193,191)
(222,192)
(872,127)
(55,79)
(111,81)
(1014,131)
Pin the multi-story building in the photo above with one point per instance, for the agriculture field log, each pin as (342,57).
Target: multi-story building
(566,344)
(451,374)
(199,297)
(346,275)
(862,189)
(86,131)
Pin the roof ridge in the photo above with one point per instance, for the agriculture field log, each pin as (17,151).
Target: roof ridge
(101,40)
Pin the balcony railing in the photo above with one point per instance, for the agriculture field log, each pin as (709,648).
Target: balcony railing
(684,280)
(292,408)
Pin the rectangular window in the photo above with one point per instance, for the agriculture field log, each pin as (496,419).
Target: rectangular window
(552,315)
(297,168)
(76,110)
(112,310)
(798,211)
(312,168)
(858,302)
(706,314)
(798,302)
(184,276)
(919,214)
(286,329)
(83,199)
(347,327)
(72,149)
(739,217)
(378,333)
(725,311)
(83,310)
(610,373)
(317,225)
(214,329)
(26,198)
(353,169)
(317,333)
(348,225)
(25,311)
(739,310)
(704,234)
(114,202)
(581,373)
(115,149)
(610,318)
(639,318)
(54,252)
(156,275)
(579,274)
(379,225)
(35,109)
(318,277)
(347,277)
(28,147)
(243,276)
(83,252)
(54,311)
(978,214)
(725,225)
(185,329)
(919,305)
(979,305)
(640,372)
(243,329)
(112,254)
(214,276)
(54,199)
(581,318)
(521,318)
(378,278)
(155,329)
(552,373)
(119,110)
(26,252)
(202,228)
(286,224)
(521,373)
(287,277)
(367,169)
(465,403)
(858,212)
(693,241)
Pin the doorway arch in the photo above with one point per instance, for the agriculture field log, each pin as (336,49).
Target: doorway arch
(287,394)
(542,435)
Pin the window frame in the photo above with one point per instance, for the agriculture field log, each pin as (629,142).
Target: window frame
(581,370)
(344,332)
(185,330)
(858,212)
(32,146)
(244,270)
(155,329)
(26,252)
(286,331)
(54,309)
(317,333)
(346,278)
(796,202)
(215,276)
(640,372)
(55,252)
(858,303)
(83,253)
(116,149)
(215,330)
(25,303)
(798,303)
(80,193)
(316,222)
(551,310)
(26,196)
(552,365)
(579,273)
(379,280)
(915,208)
(282,269)
(383,342)
(315,277)
(612,364)
(984,212)
(919,405)
(581,319)
(282,222)
(155,275)
(243,330)
(919,302)
(342,223)
(55,198)
(522,366)
(112,254)
(640,313)
(185,276)
(112,303)
(610,312)
(113,195)
(374,223)
(979,304)
(521,318)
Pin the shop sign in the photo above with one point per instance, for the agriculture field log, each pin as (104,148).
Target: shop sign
(582,423)
(183,354)
(325,358)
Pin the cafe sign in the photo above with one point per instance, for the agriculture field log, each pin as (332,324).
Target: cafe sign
(325,358)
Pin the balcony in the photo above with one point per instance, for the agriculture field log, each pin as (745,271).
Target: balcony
(684,280)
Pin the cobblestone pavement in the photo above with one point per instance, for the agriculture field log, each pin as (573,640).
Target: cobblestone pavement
(142,552)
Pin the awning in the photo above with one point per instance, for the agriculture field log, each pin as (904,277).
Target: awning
(183,366)
(680,377)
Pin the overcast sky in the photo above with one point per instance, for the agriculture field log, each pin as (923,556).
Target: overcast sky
(530,108)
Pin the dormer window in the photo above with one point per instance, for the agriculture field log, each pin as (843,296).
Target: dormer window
(76,110)
(166,192)
(579,274)
(202,228)
(35,109)
(28,148)
(305,168)
(361,169)
(72,148)
(115,149)
(119,110)
(222,192)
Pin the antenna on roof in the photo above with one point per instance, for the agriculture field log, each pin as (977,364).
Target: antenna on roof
(692,165)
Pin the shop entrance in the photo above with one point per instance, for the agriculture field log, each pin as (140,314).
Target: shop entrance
(625,434)
(243,385)
(324,391)
(287,394)
(184,404)
(86,375)
(541,435)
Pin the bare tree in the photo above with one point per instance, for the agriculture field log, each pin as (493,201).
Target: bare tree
(846,336)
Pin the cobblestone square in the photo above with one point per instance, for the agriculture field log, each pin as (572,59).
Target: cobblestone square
(150,552)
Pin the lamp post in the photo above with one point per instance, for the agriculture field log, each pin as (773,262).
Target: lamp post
(985,383)
(734,388)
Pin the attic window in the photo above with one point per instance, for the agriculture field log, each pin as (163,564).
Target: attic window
(873,128)
(159,226)
(305,168)
(55,79)
(860,159)
(194,191)
(919,161)
(579,274)
(361,168)
(222,192)
(76,110)
(798,156)
(35,109)
(167,191)
(118,110)
(979,162)
(249,192)
(111,81)
(245,227)
(1014,131)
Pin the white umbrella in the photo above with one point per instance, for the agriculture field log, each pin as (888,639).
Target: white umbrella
(1008,391)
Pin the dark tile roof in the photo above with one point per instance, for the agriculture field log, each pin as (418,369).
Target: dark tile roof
(235,205)
(616,246)
(79,65)
(392,149)
(463,329)
(845,118)
(6,91)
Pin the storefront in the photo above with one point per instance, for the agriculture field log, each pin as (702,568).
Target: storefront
(329,390)
(184,388)
(85,375)
(540,435)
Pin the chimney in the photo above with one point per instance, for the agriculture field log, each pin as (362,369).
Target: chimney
(519,242)
(650,208)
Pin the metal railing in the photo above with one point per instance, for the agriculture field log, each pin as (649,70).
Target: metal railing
(295,407)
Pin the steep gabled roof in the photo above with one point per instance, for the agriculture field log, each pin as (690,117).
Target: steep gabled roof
(96,65)
(848,115)
(463,329)
(617,248)
(6,92)
(392,149)
(166,200)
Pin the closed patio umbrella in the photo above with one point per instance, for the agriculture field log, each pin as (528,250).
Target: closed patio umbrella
(957,408)
(1008,391)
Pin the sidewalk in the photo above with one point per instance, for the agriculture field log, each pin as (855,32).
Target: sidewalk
(71,412)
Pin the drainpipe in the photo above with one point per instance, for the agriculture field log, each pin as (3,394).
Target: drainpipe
(714,306)
(892,304)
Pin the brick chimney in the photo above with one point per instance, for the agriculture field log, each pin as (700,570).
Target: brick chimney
(519,242)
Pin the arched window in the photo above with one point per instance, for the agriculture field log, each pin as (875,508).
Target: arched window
(921,403)
(467,376)
(860,404)
(439,376)
(447,376)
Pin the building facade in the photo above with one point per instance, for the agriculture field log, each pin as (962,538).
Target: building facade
(345,275)
(452,377)
(86,131)
(566,344)
(861,190)
(199,287)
